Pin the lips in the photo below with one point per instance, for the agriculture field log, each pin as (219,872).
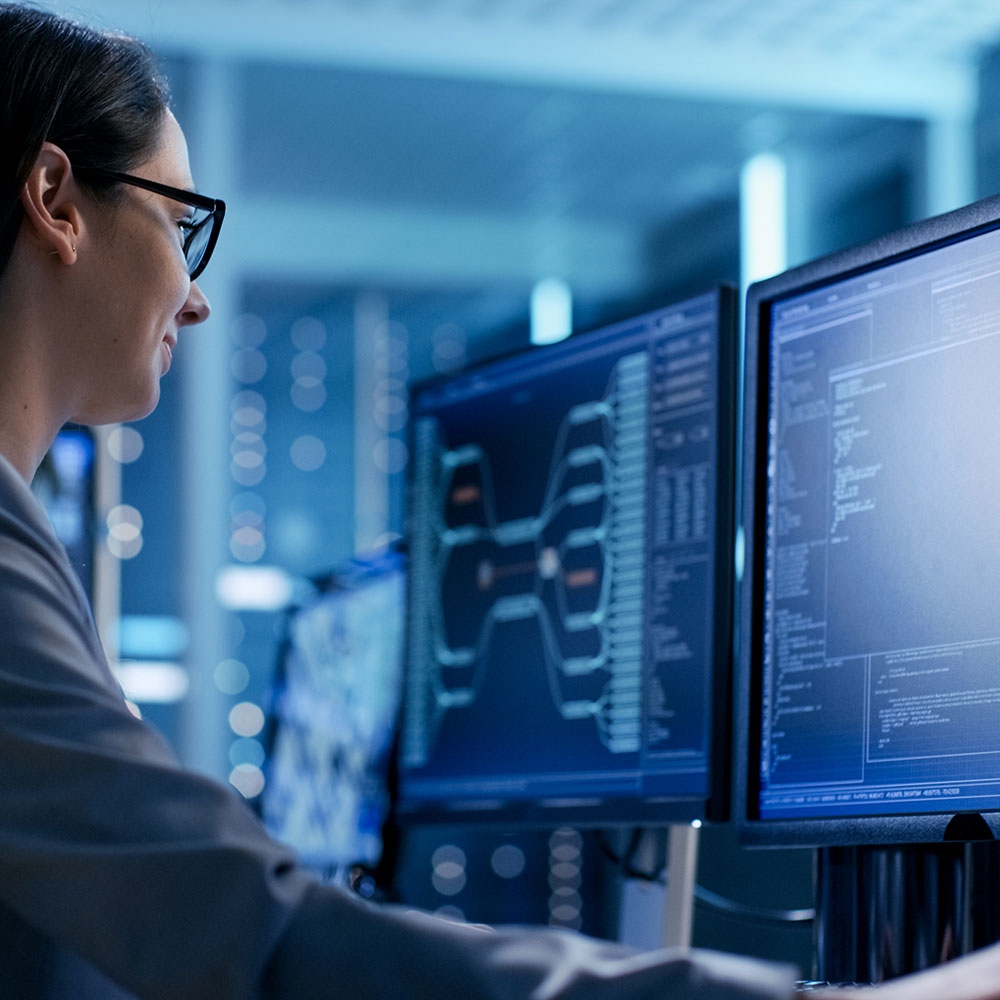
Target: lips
(170,343)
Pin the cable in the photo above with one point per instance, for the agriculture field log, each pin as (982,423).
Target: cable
(624,861)
(762,913)
(706,897)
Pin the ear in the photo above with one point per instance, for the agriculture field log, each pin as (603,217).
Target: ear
(51,202)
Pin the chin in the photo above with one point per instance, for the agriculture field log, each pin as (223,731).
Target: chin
(140,412)
(112,411)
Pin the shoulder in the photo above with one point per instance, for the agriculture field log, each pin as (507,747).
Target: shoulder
(46,617)
(31,556)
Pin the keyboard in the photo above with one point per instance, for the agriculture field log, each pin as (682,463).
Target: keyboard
(815,986)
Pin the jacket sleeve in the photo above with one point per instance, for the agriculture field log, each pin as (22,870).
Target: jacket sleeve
(168,884)
(340,946)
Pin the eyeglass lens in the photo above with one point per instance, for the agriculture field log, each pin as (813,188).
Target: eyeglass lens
(197,242)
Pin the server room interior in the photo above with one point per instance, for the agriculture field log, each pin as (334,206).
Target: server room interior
(390,217)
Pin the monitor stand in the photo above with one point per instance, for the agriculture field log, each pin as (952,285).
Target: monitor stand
(653,915)
(883,912)
(682,867)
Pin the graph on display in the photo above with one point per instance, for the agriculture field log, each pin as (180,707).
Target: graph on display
(562,521)
(574,567)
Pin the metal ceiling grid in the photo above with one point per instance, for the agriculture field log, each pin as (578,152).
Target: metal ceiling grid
(906,58)
(936,29)
(535,122)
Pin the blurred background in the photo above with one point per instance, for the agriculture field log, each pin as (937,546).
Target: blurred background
(416,185)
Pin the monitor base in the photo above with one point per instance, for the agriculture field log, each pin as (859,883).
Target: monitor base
(883,912)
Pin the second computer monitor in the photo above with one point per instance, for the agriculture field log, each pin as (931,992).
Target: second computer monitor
(334,707)
(569,603)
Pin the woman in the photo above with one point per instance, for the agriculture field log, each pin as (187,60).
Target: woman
(120,874)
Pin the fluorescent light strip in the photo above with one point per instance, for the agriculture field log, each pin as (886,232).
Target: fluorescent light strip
(763,217)
(551,311)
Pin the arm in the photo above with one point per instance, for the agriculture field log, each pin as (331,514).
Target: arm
(167,883)
(388,951)
(973,977)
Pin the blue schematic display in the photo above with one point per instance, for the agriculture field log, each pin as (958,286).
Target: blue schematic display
(562,571)
(881,632)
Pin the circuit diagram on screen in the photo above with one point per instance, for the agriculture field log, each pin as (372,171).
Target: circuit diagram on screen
(574,567)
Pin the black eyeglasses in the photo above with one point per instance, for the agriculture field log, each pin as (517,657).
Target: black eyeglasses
(200,237)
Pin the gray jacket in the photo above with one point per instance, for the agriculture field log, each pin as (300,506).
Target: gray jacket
(119,867)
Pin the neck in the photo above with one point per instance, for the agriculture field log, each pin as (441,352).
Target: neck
(22,442)
(33,402)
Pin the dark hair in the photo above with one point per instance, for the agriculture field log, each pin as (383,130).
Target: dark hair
(99,96)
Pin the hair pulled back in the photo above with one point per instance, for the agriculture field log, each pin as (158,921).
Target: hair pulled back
(99,96)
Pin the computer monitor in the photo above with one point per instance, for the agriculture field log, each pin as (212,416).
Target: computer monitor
(869,662)
(333,716)
(65,485)
(569,612)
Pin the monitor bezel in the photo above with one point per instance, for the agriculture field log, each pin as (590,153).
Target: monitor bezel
(713,806)
(926,827)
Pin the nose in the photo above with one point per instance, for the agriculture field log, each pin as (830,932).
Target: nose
(196,308)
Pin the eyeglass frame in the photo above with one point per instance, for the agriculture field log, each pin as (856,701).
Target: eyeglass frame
(215,206)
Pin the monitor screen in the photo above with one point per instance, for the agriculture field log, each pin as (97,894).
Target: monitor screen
(65,486)
(869,683)
(569,624)
(333,719)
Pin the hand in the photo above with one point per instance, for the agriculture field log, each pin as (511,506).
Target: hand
(972,977)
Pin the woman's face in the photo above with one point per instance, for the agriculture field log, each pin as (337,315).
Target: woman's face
(136,293)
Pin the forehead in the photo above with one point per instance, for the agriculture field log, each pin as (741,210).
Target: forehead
(169,163)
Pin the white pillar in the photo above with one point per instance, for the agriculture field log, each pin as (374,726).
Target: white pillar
(371,484)
(107,603)
(763,253)
(763,217)
(951,162)
(204,354)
